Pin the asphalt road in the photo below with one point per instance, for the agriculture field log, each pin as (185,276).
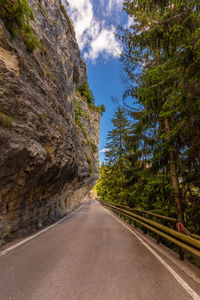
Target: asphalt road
(89,256)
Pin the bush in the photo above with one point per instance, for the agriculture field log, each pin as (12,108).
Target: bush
(102,108)
(86,92)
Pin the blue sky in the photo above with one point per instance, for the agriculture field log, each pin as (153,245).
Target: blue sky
(95,22)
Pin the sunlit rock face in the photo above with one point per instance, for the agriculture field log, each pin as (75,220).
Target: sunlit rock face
(47,164)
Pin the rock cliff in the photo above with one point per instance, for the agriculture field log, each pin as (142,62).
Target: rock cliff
(48,132)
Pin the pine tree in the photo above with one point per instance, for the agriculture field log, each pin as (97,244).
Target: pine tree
(115,155)
(117,138)
(161,60)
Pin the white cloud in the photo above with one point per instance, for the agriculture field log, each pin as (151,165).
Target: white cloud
(94,37)
(111,5)
(82,16)
(104,150)
(105,43)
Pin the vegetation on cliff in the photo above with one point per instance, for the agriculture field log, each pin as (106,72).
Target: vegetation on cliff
(17,14)
(87,94)
(79,114)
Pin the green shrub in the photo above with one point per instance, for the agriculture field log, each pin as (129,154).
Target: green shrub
(17,14)
(78,113)
(78,110)
(102,108)
(93,147)
(86,92)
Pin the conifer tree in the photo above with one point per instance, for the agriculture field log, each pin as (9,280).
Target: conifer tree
(116,150)
(161,58)
(117,138)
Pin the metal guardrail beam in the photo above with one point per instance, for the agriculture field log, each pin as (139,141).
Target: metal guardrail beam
(188,243)
(195,236)
(147,212)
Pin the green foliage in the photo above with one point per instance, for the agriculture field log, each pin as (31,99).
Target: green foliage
(93,147)
(78,114)
(17,14)
(112,182)
(161,61)
(102,108)
(89,161)
(6,120)
(78,110)
(49,152)
(117,137)
(86,92)
(42,8)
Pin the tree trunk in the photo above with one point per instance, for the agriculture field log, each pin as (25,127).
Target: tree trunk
(175,181)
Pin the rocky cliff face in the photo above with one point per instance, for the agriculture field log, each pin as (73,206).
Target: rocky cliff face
(48,158)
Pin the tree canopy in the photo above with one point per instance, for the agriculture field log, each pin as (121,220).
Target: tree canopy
(161,154)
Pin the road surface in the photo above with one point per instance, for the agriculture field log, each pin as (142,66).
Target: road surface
(88,256)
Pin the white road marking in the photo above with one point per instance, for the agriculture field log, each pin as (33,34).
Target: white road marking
(180,280)
(38,233)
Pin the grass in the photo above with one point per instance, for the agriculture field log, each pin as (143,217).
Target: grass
(63,9)
(55,22)
(42,117)
(93,147)
(89,161)
(78,122)
(17,15)
(79,112)
(43,9)
(6,120)
(49,152)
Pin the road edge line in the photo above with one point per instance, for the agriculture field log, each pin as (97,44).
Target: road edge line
(40,232)
(180,280)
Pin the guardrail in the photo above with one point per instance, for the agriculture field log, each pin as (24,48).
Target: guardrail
(173,220)
(157,216)
(184,242)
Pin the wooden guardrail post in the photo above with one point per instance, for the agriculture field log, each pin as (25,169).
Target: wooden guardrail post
(157,235)
(144,228)
(181,251)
